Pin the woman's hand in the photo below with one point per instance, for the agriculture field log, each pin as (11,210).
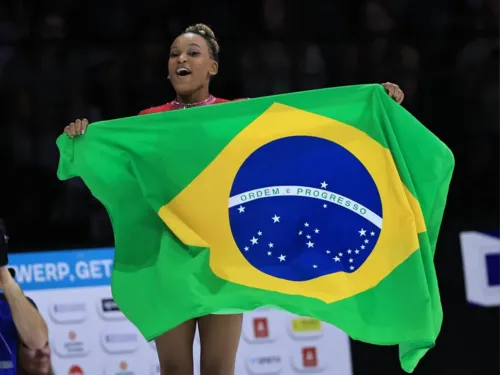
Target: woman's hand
(394,91)
(77,127)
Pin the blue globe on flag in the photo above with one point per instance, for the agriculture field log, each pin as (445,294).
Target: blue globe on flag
(303,207)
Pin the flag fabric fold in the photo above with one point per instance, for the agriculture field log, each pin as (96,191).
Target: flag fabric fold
(324,203)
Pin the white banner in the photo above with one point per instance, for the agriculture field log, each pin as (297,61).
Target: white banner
(481,262)
(90,336)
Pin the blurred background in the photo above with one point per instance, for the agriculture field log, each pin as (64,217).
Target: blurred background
(104,59)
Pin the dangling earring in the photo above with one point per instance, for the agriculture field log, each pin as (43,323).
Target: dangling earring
(168,77)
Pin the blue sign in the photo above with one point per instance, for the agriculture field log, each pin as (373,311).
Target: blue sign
(63,269)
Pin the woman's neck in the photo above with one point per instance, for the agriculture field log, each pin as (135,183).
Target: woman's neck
(195,97)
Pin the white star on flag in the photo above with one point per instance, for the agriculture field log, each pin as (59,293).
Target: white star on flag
(324,185)
(372,234)
(306,225)
(241,209)
(269,253)
(362,247)
(356,251)
(325,205)
(282,258)
(366,241)
(276,219)
(300,233)
(362,232)
(349,251)
(310,244)
(337,259)
(351,268)
(246,248)
(340,254)
(328,251)
(271,245)
(259,233)
(351,260)
(315,266)
(254,241)
(308,237)
(316,231)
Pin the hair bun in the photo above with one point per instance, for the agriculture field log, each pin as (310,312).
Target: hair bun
(201,28)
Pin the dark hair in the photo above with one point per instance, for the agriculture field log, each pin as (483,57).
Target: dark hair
(209,36)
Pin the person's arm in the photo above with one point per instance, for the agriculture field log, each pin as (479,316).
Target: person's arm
(30,325)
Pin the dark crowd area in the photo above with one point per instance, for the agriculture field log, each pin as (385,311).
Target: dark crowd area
(104,59)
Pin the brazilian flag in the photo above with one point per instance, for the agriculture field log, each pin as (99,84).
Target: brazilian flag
(324,203)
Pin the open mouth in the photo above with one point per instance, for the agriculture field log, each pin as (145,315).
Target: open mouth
(182,72)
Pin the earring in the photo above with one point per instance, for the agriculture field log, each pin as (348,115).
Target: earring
(168,77)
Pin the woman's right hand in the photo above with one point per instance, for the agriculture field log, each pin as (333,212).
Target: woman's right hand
(78,127)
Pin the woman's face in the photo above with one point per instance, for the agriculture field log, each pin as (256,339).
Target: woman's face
(35,361)
(190,64)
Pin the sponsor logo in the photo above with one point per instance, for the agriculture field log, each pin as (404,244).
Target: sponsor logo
(75,370)
(109,304)
(63,269)
(257,329)
(68,312)
(108,310)
(260,328)
(308,359)
(305,328)
(73,344)
(270,364)
(122,367)
(122,342)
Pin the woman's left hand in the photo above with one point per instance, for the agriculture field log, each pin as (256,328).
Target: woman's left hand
(394,91)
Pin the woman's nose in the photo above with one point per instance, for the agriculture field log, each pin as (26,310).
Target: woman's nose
(182,58)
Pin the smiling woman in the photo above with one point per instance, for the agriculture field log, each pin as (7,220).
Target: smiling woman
(193,62)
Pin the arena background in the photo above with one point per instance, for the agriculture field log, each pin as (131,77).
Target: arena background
(103,59)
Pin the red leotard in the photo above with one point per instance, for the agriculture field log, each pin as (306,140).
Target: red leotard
(173,106)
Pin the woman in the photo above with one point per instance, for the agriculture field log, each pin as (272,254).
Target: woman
(193,62)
